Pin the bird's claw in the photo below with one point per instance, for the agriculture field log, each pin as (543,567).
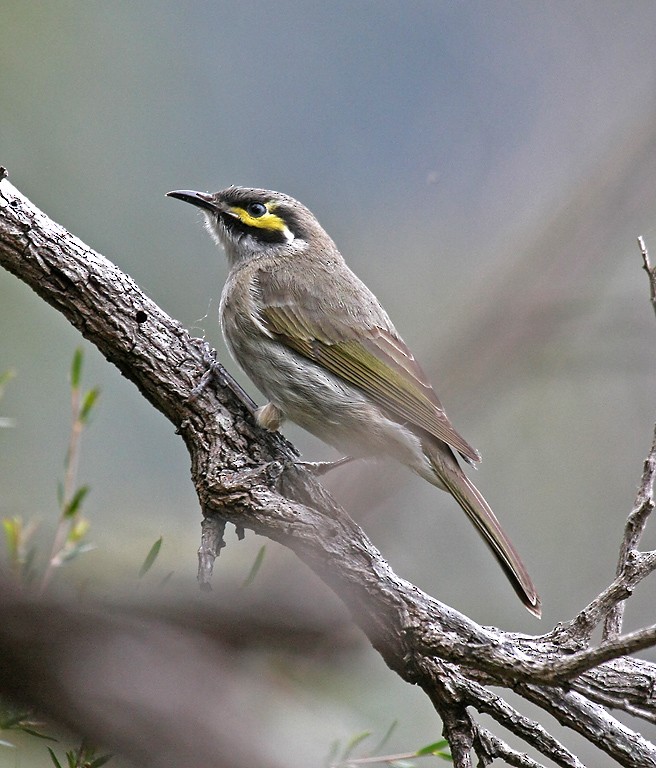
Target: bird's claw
(320,468)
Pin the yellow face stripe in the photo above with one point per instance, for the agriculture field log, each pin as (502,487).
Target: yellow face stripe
(269,221)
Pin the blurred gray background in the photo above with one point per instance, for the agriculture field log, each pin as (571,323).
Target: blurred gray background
(485,167)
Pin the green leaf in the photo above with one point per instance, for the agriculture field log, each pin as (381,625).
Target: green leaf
(257,564)
(5,378)
(38,734)
(100,761)
(388,734)
(70,552)
(76,368)
(73,506)
(12,527)
(54,759)
(88,401)
(28,571)
(353,743)
(438,748)
(150,557)
(78,530)
(332,754)
(166,579)
(12,719)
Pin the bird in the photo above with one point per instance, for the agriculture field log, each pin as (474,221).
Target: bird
(320,347)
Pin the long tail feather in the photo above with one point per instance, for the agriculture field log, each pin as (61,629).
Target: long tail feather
(479,512)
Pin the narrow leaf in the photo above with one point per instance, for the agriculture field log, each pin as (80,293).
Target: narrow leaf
(39,735)
(88,401)
(12,719)
(437,748)
(257,564)
(28,570)
(388,734)
(332,754)
(100,761)
(150,557)
(54,759)
(71,552)
(166,579)
(354,743)
(5,378)
(76,368)
(71,509)
(12,527)
(398,761)
(78,531)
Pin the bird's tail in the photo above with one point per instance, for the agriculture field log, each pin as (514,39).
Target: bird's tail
(479,512)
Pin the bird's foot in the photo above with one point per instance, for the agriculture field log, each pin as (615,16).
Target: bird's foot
(320,468)
(215,371)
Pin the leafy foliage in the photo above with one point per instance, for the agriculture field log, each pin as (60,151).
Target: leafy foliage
(69,541)
(82,757)
(342,758)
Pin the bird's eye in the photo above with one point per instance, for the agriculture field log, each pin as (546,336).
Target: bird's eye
(256,210)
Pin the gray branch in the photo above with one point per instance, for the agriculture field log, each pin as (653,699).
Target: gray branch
(248,477)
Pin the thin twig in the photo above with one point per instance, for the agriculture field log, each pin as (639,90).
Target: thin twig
(637,566)
(70,479)
(211,543)
(525,728)
(644,502)
(649,269)
(569,667)
(613,702)
(491,747)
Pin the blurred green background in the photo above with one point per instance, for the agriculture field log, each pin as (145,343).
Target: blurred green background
(485,167)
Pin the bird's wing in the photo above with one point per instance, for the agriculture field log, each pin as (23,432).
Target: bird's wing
(375,360)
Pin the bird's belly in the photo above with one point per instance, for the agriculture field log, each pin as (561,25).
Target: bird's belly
(325,405)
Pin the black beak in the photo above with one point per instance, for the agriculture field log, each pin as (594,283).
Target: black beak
(199,199)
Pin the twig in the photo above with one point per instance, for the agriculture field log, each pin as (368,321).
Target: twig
(613,701)
(644,502)
(491,747)
(70,481)
(524,727)
(649,269)
(637,566)
(571,666)
(574,710)
(211,543)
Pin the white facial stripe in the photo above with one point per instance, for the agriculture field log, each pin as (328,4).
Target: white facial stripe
(289,235)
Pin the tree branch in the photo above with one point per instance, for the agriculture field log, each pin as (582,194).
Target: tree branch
(649,269)
(635,526)
(248,477)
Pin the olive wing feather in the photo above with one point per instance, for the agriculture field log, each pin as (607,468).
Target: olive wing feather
(375,360)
